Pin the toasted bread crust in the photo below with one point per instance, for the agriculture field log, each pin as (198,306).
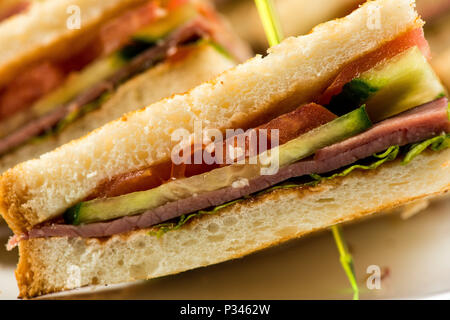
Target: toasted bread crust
(10,206)
(285,213)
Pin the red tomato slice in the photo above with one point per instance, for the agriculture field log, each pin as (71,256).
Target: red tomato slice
(389,50)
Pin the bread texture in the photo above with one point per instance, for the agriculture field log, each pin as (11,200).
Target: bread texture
(55,264)
(43,33)
(295,72)
(201,63)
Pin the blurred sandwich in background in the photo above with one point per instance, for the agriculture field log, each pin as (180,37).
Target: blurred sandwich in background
(437,32)
(60,80)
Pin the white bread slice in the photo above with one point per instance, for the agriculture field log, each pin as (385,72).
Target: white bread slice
(293,73)
(43,32)
(201,64)
(55,264)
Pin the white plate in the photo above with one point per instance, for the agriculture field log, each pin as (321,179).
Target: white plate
(414,256)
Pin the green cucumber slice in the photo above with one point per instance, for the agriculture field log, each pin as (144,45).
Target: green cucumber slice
(403,82)
(295,150)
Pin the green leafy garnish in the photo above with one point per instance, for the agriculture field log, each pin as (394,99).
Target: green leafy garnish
(436,144)
(441,95)
(389,155)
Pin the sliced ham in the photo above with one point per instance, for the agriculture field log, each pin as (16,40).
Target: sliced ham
(413,126)
(389,50)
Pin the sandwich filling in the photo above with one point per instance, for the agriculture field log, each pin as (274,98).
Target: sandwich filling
(393,87)
(44,100)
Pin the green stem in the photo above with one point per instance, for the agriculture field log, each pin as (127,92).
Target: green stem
(346,259)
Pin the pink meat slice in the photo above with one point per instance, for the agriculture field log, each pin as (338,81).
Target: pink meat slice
(416,125)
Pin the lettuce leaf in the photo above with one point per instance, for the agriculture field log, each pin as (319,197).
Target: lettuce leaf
(436,144)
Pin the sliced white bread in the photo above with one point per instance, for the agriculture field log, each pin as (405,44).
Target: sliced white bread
(293,73)
(55,264)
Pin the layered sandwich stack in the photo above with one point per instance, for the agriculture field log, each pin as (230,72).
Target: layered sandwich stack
(348,120)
